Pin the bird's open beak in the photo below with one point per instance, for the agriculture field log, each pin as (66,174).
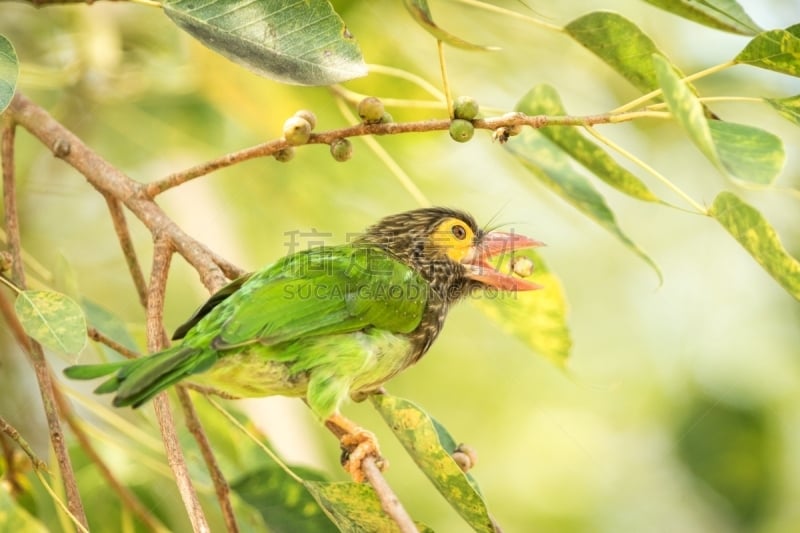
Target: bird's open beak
(491,245)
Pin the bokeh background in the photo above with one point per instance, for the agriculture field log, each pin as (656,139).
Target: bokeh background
(680,406)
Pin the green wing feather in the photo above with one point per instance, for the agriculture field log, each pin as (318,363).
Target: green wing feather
(216,299)
(323,291)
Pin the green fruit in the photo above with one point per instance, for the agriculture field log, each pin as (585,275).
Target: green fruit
(287,154)
(341,149)
(461,130)
(465,107)
(370,109)
(386,118)
(296,131)
(309,116)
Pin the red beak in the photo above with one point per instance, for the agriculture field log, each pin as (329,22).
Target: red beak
(491,245)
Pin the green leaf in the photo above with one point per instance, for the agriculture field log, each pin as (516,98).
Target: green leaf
(421,13)
(418,434)
(538,318)
(53,319)
(354,507)
(300,42)
(726,15)
(9,72)
(788,107)
(285,505)
(552,167)
(544,100)
(777,50)
(751,155)
(759,238)
(686,108)
(746,154)
(620,44)
(732,453)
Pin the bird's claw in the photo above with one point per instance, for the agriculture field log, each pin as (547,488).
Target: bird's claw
(356,447)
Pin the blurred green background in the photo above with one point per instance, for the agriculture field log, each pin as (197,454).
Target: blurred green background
(680,409)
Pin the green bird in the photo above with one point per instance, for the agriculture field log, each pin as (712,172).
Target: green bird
(327,323)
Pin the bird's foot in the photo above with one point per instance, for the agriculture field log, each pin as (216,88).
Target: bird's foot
(357,444)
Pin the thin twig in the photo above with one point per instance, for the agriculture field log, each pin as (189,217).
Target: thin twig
(129,499)
(156,341)
(96,336)
(14,435)
(34,349)
(389,501)
(39,466)
(10,462)
(221,486)
(126,242)
(269,148)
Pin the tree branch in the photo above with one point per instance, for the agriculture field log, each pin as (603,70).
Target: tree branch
(126,242)
(389,501)
(270,148)
(156,341)
(112,182)
(33,348)
(128,498)
(221,486)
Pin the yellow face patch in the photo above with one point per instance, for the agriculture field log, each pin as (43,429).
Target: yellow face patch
(453,238)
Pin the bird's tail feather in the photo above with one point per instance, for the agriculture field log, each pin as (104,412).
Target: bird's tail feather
(138,380)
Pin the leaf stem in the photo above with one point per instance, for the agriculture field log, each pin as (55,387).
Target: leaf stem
(354,97)
(419,81)
(611,144)
(445,80)
(512,14)
(657,92)
(272,455)
(396,170)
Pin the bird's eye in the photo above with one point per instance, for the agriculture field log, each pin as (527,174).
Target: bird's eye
(459,232)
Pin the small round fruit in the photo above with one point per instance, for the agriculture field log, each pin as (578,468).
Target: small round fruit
(287,154)
(309,116)
(461,130)
(522,266)
(462,460)
(386,118)
(296,131)
(465,457)
(465,107)
(341,149)
(371,110)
